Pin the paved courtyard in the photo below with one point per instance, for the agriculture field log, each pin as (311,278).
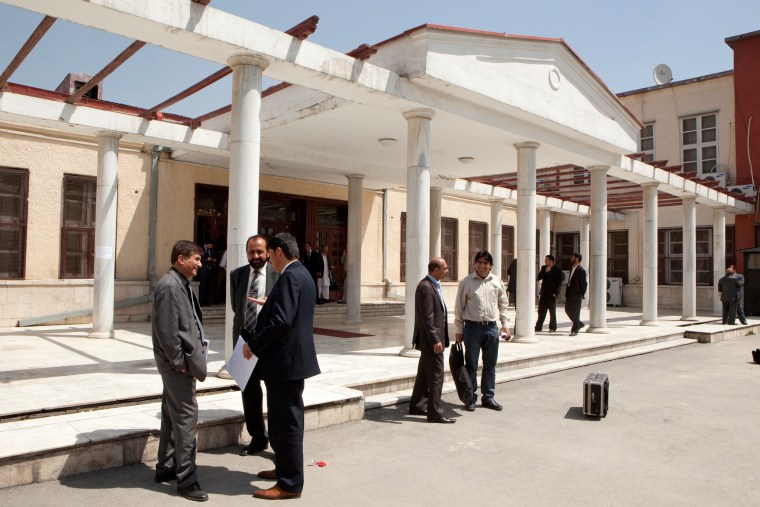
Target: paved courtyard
(682,430)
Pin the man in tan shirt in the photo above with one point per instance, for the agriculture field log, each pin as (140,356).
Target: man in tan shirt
(480,309)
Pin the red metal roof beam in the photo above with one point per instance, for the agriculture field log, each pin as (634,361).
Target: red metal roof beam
(362,52)
(305,28)
(106,71)
(154,112)
(32,41)
(202,2)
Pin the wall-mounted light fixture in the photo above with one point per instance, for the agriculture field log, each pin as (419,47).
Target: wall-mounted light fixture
(387,141)
(466,160)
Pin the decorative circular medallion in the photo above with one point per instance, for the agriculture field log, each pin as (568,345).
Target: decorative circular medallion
(554,79)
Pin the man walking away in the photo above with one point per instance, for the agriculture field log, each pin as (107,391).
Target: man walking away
(575,292)
(551,281)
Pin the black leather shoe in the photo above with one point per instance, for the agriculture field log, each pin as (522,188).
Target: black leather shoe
(193,492)
(442,420)
(166,475)
(491,403)
(470,407)
(581,326)
(537,329)
(416,411)
(252,449)
(573,333)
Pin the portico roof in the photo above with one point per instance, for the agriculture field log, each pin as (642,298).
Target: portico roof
(488,92)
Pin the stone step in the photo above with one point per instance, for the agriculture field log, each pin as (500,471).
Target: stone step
(215,314)
(502,375)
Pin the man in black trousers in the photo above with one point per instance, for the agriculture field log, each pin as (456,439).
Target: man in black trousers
(253,280)
(551,277)
(575,293)
(283,342)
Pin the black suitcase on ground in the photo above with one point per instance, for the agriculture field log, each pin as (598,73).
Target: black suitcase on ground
(596,394)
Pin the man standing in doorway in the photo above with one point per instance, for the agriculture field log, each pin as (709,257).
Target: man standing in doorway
(313,262)
(253,280)
(575,293)
(181,351)
(551,281)
(481,306)
(324,280)
(431,336)
(284,344)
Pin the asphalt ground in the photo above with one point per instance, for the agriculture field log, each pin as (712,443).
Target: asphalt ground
(683,429)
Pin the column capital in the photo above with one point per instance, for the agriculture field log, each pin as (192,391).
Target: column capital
(109,133)
(650,184)
(496,200)
(526,144)
(598,168)
(419,113)
(689,197)
(355,176)
(722,208)
(248,59)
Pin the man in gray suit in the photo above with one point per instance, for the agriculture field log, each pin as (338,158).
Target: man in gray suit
(728,289)
(181,351)
(254,280)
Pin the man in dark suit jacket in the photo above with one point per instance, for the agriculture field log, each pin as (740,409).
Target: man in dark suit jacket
(180,350)
(283,342)
(431,336)
(575,293)
(728,289)
(313,262)
(551,277)
(256,280)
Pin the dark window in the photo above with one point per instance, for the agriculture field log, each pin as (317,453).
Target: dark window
(403,247)
(507,249)
(478,242)
(670,256)
(617,254)
(730,245)
(78,230)
(14,187)
(450,245)
(568,243)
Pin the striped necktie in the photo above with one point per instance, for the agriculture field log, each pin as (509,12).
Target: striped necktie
(250,306)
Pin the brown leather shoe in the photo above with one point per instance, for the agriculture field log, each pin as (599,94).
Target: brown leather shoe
(268,474)
(275,493)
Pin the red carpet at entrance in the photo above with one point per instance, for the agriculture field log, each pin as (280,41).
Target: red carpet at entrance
(338,333)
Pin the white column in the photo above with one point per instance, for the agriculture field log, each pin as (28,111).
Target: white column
(436,194)
(105,235)
(353,282)
(584,246)
(719,253)
(496,221)
(545,226)
(597,270)
(649,256)
(417,213)
(525,320)
(689,258)
(245,151)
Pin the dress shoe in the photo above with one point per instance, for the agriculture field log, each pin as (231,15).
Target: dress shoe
(270,475)
(573,333)
(470,407)
(552,330)
(537,329)
(581,326)
(166,475)
(491,403)
(275,493)
(416,411)
(193,492)
(442,420)
(252,449)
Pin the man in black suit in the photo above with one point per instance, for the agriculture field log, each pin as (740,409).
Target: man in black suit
(207,274)
(283,342)
(551,281)
(575,293)
(431,336)
(313,262)
(254,280)
(728,290)
(180,350)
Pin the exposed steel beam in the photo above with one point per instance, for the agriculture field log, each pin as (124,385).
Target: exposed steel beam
(362,52)
(305,28)
(155,111)
(106,71)
(196,122)
(32,41)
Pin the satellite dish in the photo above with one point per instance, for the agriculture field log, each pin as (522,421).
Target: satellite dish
(662,74)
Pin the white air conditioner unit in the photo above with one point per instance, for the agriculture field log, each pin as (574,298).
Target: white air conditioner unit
(614,291)
(719,177)
(747,190)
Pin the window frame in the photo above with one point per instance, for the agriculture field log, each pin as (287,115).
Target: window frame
(88,228)
(472,227)
(18,223)
(700,144)
(670,254)
(648,153)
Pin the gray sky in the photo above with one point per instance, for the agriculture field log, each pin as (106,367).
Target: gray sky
(620,41)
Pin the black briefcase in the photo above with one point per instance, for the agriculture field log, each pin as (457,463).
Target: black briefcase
(756,356)
(459,373)
(596,394)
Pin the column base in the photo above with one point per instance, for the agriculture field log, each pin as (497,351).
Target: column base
(524,339)
(101,334)
(598,330)
(689,319)
(409,352)
(353,321)
(223,373)
(649,323)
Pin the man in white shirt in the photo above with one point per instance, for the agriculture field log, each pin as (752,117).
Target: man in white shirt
(324,280)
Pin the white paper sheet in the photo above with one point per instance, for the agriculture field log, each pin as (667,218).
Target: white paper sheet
(239,367)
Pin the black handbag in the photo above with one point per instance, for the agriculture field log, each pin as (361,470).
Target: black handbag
(459,373)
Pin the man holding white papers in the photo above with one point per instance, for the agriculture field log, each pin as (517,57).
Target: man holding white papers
(283,342)
(254,280)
